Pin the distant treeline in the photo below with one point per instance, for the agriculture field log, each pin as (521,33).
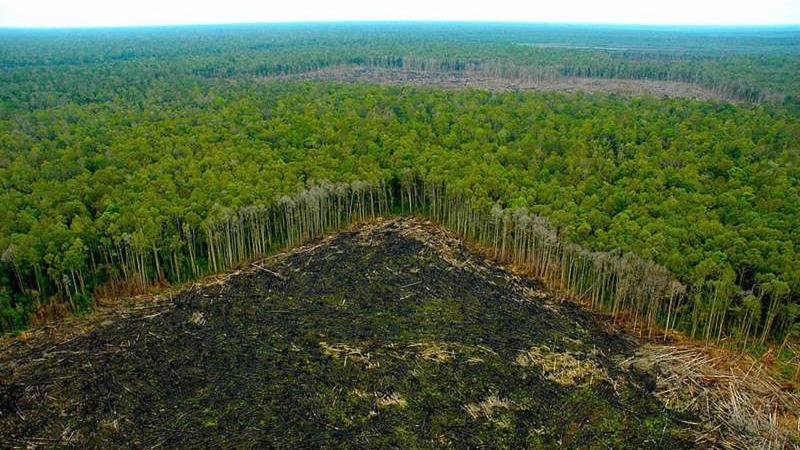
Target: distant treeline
(43,68)
(631,70)
(541,65)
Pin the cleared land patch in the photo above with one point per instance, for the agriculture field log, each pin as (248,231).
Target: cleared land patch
(391,335)
(486,81)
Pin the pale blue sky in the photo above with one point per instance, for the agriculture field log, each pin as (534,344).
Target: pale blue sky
(75,13)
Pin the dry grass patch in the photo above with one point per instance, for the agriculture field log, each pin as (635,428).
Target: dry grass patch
(562,368)
(487,409)
(440,352)
(346,352)
(444,352)
(394,399)
(197,318)
(435,351)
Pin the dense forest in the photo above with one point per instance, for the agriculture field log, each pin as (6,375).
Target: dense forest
(154,156)
(49,67)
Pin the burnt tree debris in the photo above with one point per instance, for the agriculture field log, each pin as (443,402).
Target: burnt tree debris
(389,335)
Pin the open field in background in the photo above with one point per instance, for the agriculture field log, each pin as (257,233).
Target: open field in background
(477,79)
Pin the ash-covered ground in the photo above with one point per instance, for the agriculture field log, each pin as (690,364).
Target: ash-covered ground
(392,335)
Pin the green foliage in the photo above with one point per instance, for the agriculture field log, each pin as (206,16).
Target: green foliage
(129,161)
(14,312)
(82,303)
(101,66)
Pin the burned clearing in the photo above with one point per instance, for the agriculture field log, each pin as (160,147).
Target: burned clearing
(487,81)
(389,335)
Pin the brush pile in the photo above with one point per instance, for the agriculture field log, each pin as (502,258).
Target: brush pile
(741,404)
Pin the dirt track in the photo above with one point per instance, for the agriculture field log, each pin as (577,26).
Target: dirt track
(392,335)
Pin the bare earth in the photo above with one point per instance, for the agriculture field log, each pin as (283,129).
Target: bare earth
(481,80)
(393,334)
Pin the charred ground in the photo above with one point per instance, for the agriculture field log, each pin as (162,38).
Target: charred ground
(390,335)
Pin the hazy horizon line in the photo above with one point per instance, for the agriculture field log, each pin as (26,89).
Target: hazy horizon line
(405,22)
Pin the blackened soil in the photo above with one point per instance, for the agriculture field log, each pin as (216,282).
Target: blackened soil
(389,336)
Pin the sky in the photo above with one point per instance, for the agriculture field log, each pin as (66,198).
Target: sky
(89,13)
